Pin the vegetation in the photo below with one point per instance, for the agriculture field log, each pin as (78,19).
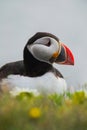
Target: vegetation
(54,112)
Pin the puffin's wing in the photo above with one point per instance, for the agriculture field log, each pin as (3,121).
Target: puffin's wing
(56,72)
(12,68)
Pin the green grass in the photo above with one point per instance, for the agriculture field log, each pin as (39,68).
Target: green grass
(54,112)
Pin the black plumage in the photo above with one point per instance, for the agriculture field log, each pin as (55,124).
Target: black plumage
(12,68)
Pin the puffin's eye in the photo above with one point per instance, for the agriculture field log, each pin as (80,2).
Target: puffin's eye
(48,43)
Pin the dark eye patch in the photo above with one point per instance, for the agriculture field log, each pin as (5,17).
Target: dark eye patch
(48,43)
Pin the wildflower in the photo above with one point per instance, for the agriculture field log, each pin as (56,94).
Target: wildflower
(17,91)
(68,102)
(78,97)
(35,112)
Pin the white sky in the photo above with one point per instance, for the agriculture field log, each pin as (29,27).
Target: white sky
(67,19)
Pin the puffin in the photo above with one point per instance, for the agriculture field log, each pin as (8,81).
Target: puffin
(36,72)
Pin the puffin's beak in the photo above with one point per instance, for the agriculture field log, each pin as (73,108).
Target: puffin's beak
(65,56)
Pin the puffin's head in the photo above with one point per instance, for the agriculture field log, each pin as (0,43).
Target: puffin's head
(47,48)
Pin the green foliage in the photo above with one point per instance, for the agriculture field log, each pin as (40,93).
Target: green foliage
(54,112)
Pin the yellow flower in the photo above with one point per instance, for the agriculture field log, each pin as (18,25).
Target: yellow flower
(35,112)
(68,102)
(78,97)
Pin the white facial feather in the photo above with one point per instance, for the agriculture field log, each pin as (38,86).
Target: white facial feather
(41,51)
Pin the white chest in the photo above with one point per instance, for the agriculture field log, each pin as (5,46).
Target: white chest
(46,84)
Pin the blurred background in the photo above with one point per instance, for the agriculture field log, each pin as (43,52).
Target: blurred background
(67,19)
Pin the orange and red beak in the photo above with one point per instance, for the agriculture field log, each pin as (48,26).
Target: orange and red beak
(65,57)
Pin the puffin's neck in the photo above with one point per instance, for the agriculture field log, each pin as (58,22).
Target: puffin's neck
(34,67)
